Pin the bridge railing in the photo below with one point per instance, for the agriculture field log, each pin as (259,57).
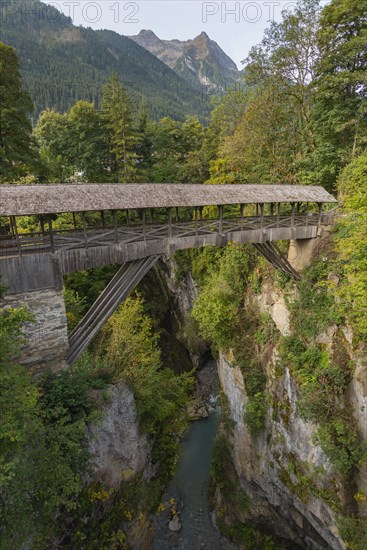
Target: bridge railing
(43,242)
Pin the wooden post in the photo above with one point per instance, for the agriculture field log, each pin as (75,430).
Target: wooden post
(114,214)
(320,204)
(278,215)
(177,216)
(41,224)
(262,208)
(257,209)
(51,233)
(151,215)
(241,215)
(15,231)
(74,220)
(271,209)
(293,214)
(85,229)
(169,222)
(102,218)
(200,213)
(144,223)
(127,217)
(196,219)
(220,207)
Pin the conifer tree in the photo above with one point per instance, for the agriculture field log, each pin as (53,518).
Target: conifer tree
(117,116)
(16,148)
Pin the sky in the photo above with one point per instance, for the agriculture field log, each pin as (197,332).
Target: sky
(235,26)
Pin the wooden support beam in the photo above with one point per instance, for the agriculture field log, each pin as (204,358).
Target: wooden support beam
(74,220)
(278,213)
(320,205)
(293,215)
(169,223)
(241,214)
(129,275)
(151,216)
(85,229)
(51,233)
(42,225)
(221,212)
(143,214)
(114,215)
(177,215)
(102,219)
(13,221)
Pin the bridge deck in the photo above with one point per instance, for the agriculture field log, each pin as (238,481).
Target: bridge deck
(38,243)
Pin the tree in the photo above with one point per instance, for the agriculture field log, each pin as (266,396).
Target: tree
(17,152)
(287,56)
(144,147)
(117,116)
(340,113)
(52,134)
(265,143)
(88,150)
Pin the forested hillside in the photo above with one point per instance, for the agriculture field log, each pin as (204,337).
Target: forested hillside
(61,63)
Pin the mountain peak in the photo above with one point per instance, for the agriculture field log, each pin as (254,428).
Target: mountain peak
(147,33)
(196,60)
(204,36)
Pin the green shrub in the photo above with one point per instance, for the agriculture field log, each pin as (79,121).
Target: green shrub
(255,413)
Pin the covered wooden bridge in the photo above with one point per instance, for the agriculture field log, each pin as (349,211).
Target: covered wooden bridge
(82,226)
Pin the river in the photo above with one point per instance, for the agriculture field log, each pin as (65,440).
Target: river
(189,489)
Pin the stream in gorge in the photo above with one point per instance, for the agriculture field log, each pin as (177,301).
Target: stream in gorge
(189,489)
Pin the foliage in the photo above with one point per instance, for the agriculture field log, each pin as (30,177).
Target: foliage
(17,155)
(217,305)
(351,242)
(255,412)
(353,531)
(117,117)
(161,395)
(40,447)
(339,116)
(75,307)
(323,378)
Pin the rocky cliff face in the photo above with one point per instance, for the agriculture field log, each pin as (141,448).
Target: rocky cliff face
(200,61)
(263,466)
(118,449)
(292,485)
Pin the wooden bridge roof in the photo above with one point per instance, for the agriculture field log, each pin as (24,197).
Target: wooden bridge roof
(22,200)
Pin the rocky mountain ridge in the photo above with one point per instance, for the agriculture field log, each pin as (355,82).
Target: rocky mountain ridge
(200,61)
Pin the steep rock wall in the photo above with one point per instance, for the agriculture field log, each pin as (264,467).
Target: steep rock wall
(288,477)
(46,336)
(119,450)
(262,464)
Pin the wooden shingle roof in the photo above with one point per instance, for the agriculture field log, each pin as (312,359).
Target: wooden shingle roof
(21,200)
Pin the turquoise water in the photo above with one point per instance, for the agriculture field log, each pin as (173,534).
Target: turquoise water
(189,489)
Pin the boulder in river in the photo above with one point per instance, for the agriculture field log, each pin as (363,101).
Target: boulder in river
(175,524)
